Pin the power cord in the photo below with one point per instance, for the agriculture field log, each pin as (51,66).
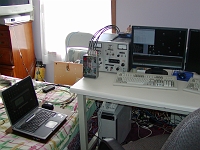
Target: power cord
(144,127)
(94,40)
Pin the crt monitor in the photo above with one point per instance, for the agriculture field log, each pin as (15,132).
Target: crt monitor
(14,7)
(193,51)
(158,48)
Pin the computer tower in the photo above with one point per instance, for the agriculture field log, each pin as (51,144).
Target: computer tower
(114,123)
(193,51)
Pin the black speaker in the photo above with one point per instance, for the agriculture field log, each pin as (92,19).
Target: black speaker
(193,51)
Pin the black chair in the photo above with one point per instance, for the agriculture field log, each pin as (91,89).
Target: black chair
(186,136)
(110,144)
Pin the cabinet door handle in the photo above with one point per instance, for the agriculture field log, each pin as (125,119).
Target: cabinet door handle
(1,55)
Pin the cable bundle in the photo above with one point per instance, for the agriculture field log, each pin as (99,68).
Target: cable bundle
(94,40)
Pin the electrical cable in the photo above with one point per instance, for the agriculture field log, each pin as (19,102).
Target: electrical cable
(62,103)
(144,127)
(103,30)
(95,134)
(92,43)
(155,118)
(2,122)
(163,128)
(60,85)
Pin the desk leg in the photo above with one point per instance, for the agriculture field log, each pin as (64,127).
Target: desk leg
(83,122)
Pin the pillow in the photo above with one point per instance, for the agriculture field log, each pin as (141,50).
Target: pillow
(75,54)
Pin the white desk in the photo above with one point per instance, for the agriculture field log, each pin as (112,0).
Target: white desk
(102,89)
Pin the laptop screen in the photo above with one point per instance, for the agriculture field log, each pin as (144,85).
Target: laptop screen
(20,99)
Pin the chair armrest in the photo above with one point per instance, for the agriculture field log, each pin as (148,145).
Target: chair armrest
(110,144)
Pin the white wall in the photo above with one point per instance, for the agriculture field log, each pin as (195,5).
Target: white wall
(36,30)
(49,74)
(169,13)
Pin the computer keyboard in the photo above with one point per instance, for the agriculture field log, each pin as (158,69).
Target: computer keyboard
(37,121)
(146,80)
(193,86)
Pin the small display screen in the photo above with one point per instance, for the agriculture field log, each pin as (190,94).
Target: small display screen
(122,47)
(116,61)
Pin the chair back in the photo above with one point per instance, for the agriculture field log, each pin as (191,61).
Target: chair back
(76,44)
(186,136)
(78,39)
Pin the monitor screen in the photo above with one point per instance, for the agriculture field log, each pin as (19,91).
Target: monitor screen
(158,48)
(193,51)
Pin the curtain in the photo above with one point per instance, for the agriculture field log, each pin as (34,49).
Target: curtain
(60,17)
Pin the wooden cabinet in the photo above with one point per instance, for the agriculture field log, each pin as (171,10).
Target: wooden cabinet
(17,57)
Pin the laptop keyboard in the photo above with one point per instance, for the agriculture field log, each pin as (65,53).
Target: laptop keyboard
(33,124)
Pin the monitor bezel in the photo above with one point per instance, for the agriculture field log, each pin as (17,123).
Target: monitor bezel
(194,67)
(16,9)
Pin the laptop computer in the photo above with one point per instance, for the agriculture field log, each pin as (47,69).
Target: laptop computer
(26,117)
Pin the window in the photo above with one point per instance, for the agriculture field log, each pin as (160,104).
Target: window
(60,17)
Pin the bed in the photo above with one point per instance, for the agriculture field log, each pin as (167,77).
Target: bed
(67,137)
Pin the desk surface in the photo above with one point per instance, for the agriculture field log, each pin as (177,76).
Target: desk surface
(177,101)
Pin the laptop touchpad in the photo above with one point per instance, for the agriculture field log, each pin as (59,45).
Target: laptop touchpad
(51,124)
